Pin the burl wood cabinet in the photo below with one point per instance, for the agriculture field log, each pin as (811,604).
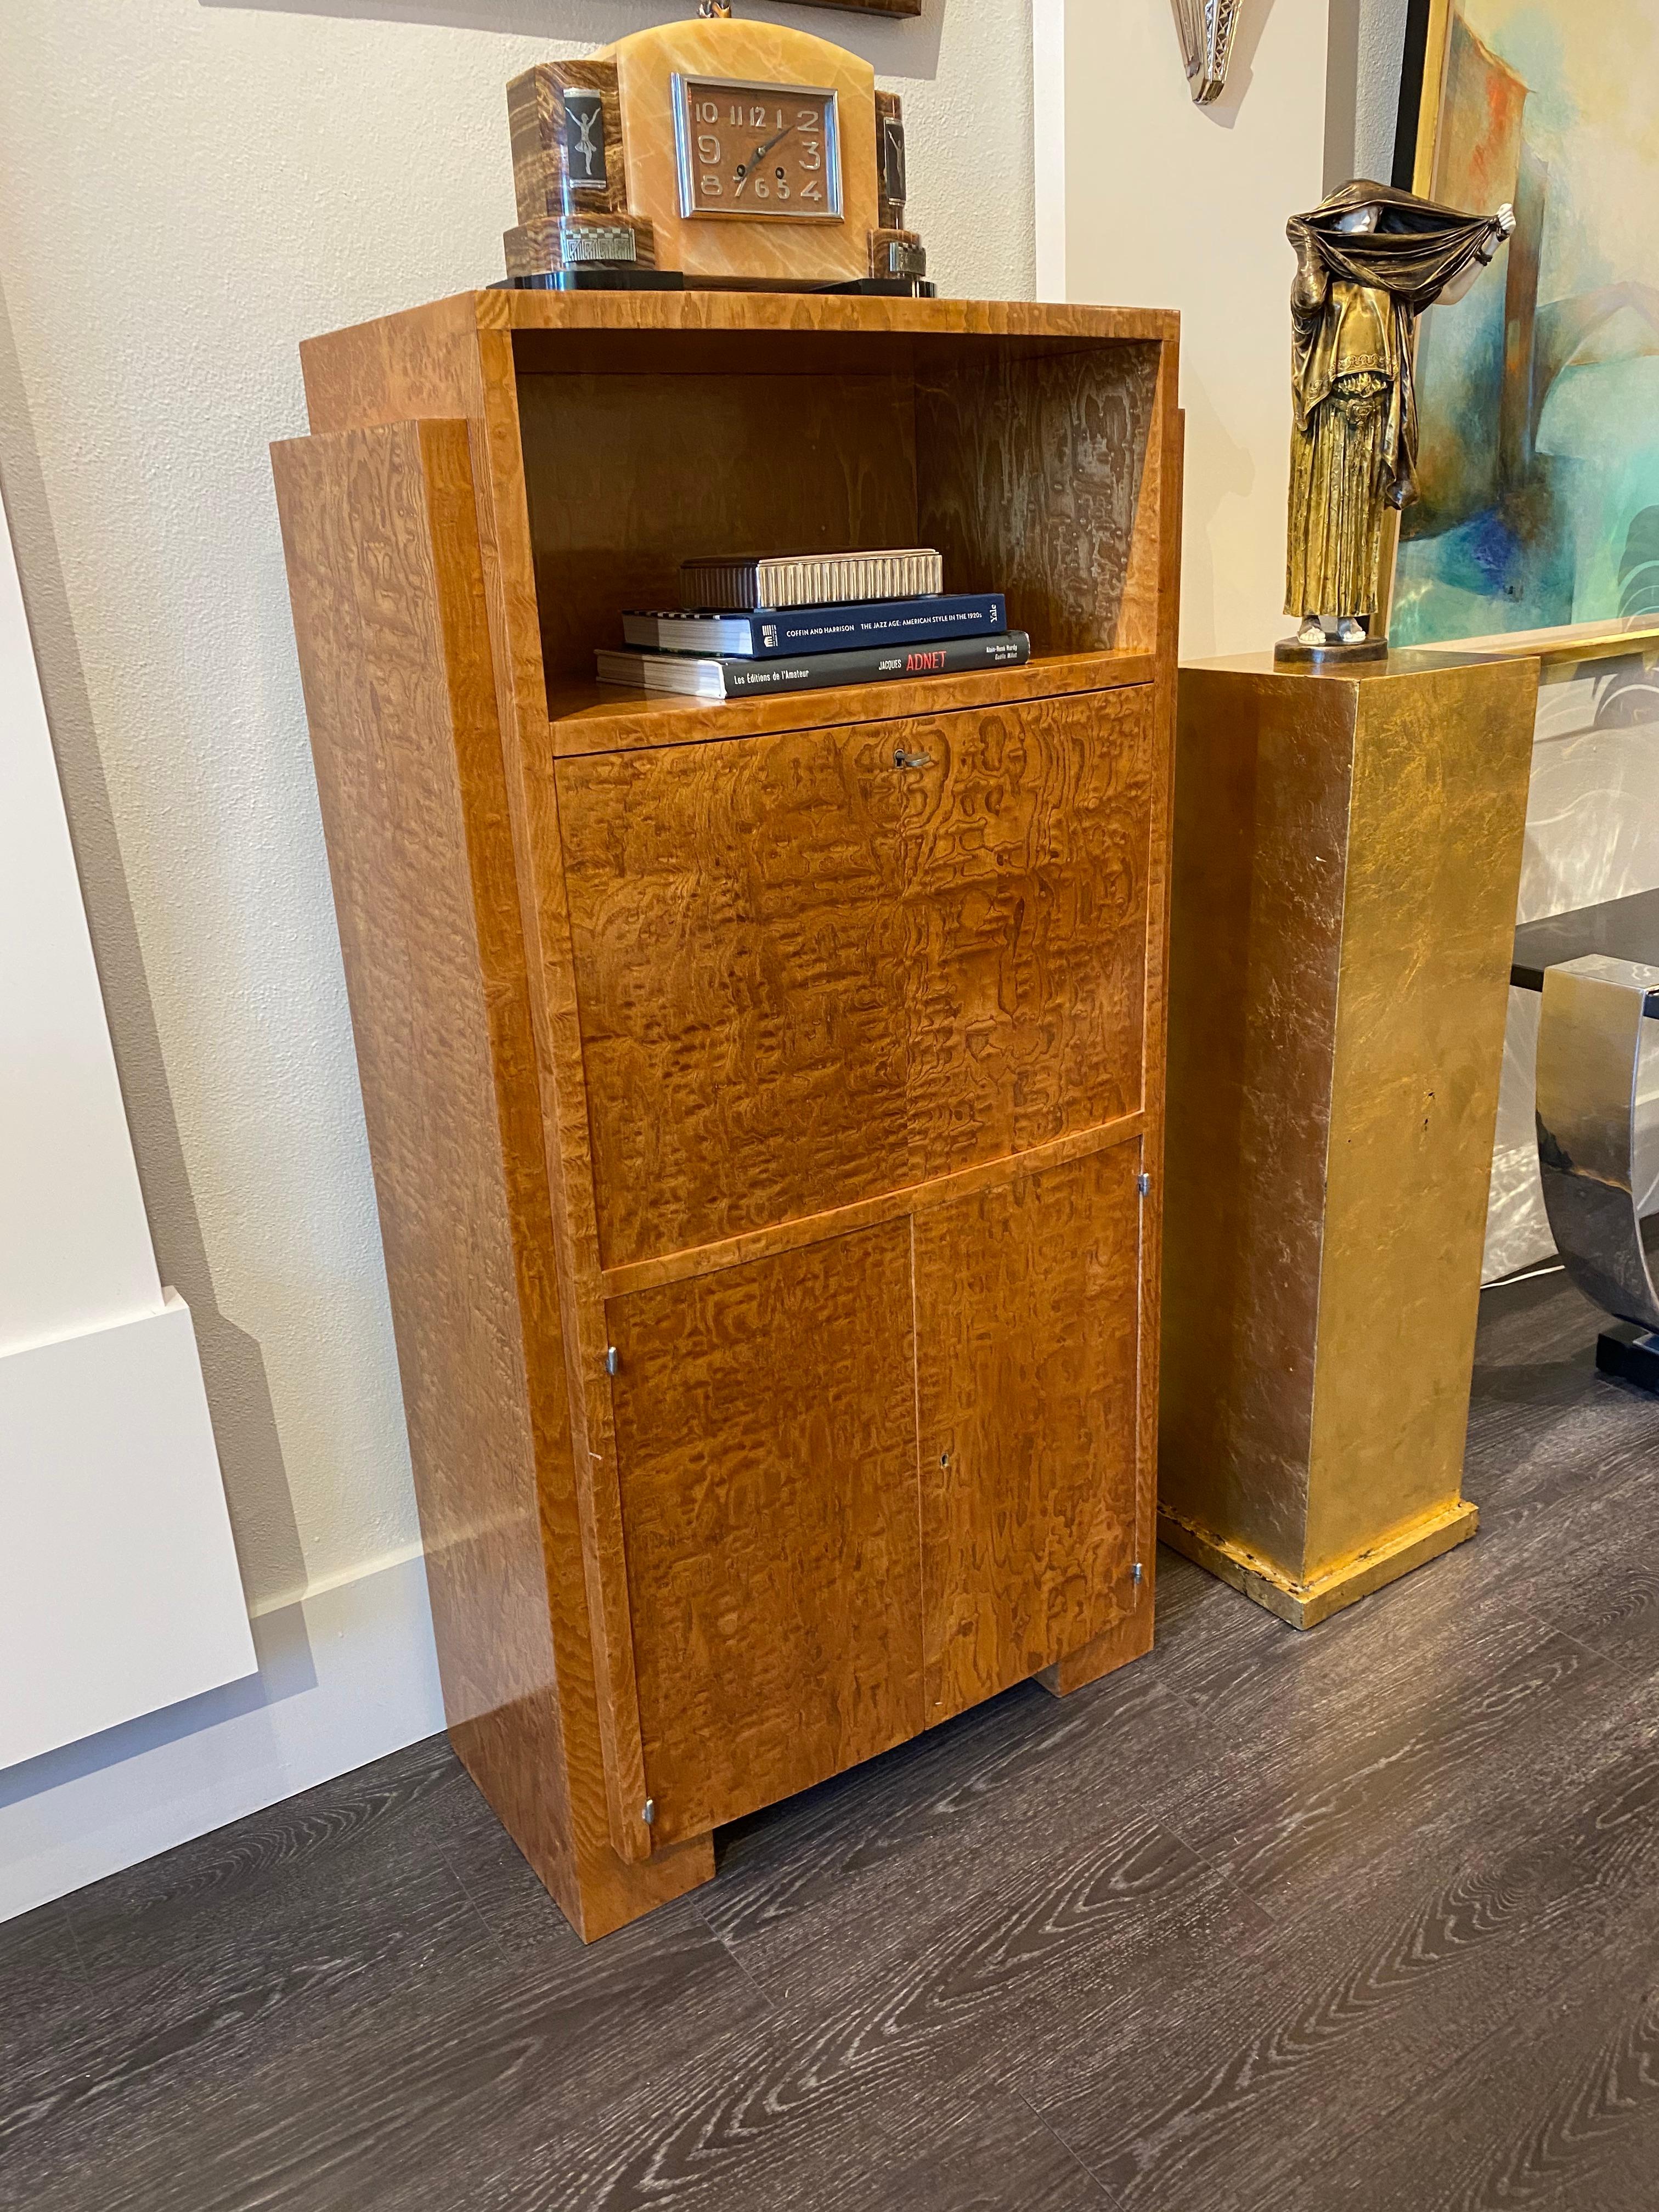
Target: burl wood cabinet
(765,1099)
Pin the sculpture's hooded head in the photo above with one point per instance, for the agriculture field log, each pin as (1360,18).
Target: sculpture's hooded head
(1414,251)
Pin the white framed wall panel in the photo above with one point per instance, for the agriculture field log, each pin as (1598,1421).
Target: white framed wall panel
(118,1588)
(118,1585)
(74,1247)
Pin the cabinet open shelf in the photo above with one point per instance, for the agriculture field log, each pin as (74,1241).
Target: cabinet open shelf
(774,425)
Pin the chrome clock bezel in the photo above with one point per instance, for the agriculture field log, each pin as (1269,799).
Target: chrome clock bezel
(772,89)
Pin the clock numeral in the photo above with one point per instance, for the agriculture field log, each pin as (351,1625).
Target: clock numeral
(708,110)
(811,158)
(708,146)
(811,191)
(782,188)
(757,117)
(735,118)
(710,187)
(762,193)
(804,115)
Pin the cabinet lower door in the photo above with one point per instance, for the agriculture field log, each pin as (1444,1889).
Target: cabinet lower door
(1027,1296)
(766,1443)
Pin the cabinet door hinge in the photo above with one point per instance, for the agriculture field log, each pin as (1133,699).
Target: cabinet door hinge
(1143,1184)
(612,1359)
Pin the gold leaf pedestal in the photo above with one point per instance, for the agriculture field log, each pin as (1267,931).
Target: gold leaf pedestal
(1347,854)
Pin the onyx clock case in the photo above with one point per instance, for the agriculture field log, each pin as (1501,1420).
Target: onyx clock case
(711,153)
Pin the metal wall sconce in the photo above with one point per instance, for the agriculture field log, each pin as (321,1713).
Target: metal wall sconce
(1207,28)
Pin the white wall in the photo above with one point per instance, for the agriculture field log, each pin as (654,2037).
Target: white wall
(1153,199)
(1381,38)
(185,192)
(1362,88)
(1142,197)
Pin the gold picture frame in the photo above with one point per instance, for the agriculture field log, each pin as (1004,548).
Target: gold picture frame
(1422,83)
(1422,86)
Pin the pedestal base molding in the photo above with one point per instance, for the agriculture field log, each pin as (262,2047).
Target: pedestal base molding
(1305,1604)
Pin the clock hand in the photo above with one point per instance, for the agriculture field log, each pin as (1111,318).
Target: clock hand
(760,154)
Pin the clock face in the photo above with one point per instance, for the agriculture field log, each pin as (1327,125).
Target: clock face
(767,152)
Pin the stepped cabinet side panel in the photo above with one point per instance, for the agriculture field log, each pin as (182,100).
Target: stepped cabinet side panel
(385,578)
(396,701)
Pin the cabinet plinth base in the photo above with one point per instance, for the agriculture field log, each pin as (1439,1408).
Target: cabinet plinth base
(1306,1604)
(1131,1637)
(610,1897)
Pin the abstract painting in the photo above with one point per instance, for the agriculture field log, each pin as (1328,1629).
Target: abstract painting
(1539,396)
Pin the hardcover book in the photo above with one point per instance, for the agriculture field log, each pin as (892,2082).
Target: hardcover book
(774,631)
(749,582)
(713,677)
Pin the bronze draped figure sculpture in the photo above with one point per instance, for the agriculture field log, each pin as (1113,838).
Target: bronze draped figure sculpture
(1369,260)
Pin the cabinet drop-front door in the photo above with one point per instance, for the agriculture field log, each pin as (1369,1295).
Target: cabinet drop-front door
(1026,1305)
(816,967)
(767,1447)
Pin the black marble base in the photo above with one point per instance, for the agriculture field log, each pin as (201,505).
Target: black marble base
(1290,653)
(599,276)
(595,277)
(889,288)
(1630,1352)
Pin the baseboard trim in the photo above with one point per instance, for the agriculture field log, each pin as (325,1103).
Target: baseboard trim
(346,1673)
(324,1584)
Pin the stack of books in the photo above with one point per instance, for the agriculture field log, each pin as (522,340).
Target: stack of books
(796,622)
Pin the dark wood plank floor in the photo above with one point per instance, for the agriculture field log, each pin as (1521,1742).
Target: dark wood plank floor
(1367,1918)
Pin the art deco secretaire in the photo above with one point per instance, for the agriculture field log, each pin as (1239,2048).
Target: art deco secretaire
(764,1099)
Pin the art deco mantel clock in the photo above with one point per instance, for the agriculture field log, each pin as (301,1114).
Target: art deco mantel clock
(712,152)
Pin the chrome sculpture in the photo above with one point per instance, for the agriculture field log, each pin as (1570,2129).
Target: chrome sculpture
(1589,1063)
